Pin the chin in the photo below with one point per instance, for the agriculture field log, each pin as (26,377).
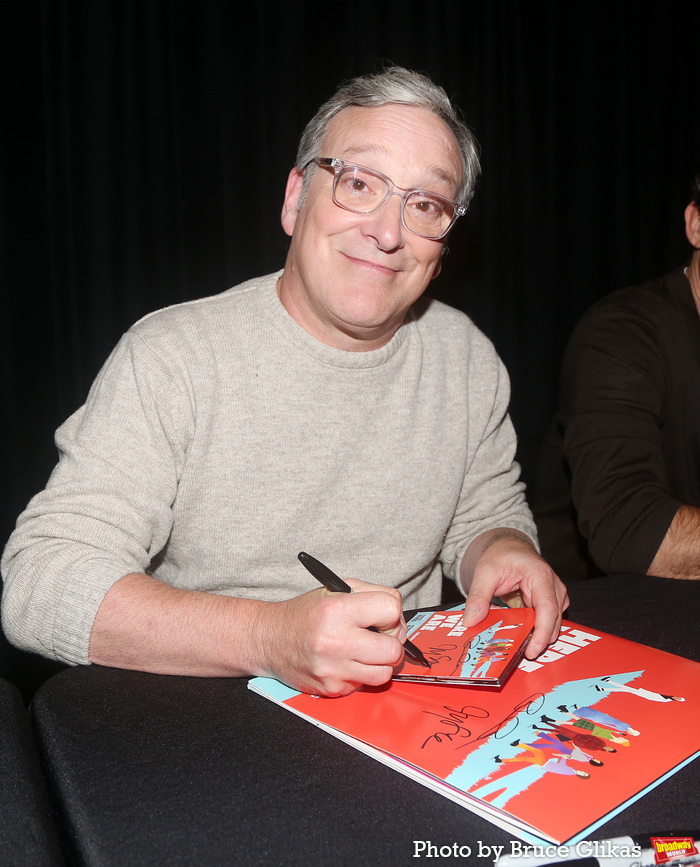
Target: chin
(365,315)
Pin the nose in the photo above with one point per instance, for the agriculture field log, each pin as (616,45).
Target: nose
(385,225)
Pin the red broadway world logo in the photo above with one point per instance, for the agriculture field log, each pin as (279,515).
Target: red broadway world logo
(667,849)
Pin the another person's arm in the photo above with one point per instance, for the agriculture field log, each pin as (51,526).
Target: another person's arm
(679,553)
(613,400)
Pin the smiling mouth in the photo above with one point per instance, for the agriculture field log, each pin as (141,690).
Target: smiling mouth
(369,263)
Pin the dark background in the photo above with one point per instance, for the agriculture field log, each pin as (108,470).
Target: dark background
(144,147)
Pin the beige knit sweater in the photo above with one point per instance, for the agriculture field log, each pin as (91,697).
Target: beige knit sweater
(220,439)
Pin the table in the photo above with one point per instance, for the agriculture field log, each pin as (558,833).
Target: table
(28,833)
(153,769)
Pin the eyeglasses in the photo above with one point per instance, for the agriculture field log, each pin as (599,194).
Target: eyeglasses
(364,191)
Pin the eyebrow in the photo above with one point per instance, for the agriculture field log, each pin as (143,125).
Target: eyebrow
(439,172)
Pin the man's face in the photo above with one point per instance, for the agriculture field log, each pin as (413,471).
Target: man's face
(350,278)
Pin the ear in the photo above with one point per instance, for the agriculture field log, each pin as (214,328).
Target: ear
(291,199)
(692,225)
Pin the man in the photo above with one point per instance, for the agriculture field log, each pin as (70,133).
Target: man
(623,458)
(323,408)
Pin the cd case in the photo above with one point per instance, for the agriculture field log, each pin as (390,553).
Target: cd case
(481,655)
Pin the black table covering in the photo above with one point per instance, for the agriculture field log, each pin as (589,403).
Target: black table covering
(28,833)
(152,770)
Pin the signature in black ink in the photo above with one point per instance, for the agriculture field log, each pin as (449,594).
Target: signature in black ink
(446,653)
(466,656)
(453,723)
(441,653)
(510,723)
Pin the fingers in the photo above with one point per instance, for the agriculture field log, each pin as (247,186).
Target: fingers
(513,570)
(370,660)
(544,592)
(379,608)
(547,624)
(549,599)
(332,643)
(477,605)
(486,583)
(333,685)
(514,599)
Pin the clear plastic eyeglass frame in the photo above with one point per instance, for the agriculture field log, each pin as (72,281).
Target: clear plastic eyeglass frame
(429,207)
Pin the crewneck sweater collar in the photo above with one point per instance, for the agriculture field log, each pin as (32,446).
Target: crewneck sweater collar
(291,330)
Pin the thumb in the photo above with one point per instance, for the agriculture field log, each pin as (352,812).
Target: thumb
(476,608)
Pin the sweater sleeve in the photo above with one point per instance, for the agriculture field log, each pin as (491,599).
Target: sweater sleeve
(612,394)
(492,494)
(106,510)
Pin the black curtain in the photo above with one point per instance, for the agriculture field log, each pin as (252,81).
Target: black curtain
(144,147)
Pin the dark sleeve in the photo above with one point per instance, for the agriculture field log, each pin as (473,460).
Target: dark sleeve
(613,398)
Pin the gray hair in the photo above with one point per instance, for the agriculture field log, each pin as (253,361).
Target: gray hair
(393,86)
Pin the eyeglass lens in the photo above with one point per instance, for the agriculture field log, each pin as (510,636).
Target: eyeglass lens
(363,192)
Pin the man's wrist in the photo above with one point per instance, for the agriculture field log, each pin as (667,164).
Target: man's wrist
(483,542)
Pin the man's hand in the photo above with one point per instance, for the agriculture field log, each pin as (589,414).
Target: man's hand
(321,643)
(504,563)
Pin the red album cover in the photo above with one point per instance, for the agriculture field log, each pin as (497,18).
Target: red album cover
(480,655)
(569,740)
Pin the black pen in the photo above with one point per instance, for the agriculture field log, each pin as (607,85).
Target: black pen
(332,582)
